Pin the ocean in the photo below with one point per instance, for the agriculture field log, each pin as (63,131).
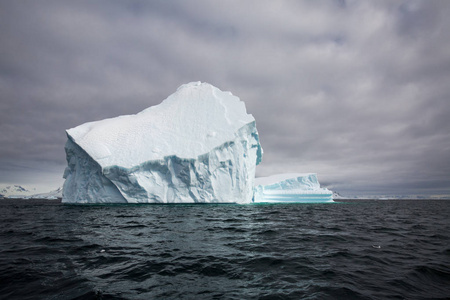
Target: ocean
(359,249)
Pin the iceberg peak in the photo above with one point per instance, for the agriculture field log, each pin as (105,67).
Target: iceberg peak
(176,127)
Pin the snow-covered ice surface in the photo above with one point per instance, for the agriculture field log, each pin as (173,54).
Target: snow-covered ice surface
(52,195)
(198,145)
(291,187)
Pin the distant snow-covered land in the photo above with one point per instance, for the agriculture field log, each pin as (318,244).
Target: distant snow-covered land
(16,191)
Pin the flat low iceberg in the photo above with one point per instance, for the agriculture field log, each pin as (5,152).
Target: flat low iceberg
(197,146)
(293,187)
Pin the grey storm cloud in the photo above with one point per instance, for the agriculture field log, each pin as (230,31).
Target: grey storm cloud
(356,91)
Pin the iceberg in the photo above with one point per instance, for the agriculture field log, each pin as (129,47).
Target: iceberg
(198,146)
(292,187)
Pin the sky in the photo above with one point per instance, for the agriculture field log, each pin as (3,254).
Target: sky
(355,91)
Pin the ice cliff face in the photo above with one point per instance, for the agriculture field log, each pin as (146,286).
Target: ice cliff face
(291,188)
(198,145)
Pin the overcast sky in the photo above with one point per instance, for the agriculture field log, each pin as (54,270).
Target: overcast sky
(356,91)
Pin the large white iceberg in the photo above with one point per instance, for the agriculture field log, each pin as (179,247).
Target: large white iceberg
(198,145)
(290,187)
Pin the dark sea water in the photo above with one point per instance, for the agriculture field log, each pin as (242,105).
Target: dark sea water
(348,250)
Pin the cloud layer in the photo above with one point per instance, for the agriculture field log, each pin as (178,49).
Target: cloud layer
(356,91)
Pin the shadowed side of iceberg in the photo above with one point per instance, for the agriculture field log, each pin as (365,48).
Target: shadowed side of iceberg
(85,182)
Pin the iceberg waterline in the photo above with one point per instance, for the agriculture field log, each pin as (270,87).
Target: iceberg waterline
(197,146)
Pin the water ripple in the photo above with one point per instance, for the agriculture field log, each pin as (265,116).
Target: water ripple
(352,250)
